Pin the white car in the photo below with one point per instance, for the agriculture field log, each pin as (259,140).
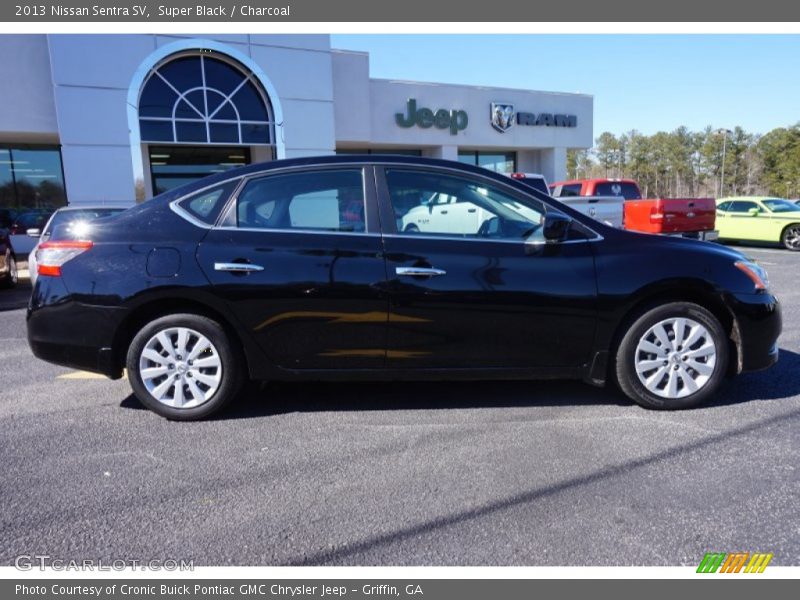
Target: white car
(74,217)
(442,213)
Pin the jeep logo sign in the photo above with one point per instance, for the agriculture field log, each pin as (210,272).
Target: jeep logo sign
(454,120)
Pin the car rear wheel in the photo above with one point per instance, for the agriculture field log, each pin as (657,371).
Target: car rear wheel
(12,276)
(672,356)
(183,367)
(790,238)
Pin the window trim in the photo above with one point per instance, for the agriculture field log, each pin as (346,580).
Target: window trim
(376,198)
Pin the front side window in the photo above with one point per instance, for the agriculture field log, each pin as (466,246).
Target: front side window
(741,206)
(430,203)
(330,200)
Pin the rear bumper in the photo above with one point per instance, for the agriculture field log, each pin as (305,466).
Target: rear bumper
(66,332)
(758,326)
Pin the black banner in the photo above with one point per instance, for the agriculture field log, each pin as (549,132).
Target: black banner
(441,11)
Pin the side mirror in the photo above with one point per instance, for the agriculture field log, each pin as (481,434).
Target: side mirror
(555,227)
(34,233)
(753,212)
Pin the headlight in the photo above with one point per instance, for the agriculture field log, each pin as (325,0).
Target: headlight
(757,274)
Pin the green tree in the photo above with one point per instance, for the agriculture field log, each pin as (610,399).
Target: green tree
(779,151)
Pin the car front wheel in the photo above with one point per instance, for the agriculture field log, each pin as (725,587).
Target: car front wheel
(183,367)
(672,356)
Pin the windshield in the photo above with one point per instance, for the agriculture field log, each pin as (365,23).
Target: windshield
(780,206)
(80,215)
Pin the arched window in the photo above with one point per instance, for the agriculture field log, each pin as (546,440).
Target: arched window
(201,98)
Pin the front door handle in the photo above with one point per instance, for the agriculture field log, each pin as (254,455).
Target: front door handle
(419,271)
(237,267)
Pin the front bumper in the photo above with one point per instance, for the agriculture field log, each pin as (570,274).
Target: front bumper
(758,326)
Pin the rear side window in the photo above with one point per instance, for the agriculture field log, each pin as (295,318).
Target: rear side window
(618,188)
(568,190)
(723,206)
(206,205)
(329,200)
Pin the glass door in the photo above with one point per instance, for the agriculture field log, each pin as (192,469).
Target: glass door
(173,166)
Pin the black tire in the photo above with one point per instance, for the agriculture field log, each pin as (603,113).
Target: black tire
(411,228)
(232,366)
(626,355)
(11,278)
(789,237)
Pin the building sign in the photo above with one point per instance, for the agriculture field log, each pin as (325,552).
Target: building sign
(454,120)
(502,117)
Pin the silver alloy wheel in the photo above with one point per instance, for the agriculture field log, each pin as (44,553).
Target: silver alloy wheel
(792,237)
(180,367)
(675,358)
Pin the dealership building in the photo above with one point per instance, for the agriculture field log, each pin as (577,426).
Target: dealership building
(114,118)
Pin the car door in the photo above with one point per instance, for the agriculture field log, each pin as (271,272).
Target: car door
(298,258)
(741,224)
(481,297)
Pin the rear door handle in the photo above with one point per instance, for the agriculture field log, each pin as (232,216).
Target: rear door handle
(237,267)
(419,271)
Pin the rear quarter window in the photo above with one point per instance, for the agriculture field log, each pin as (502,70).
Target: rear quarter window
(206,205)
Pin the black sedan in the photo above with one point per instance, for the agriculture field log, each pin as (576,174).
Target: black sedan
(354,267)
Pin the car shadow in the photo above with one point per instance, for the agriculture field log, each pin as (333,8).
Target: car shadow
(276,398)
(17,297)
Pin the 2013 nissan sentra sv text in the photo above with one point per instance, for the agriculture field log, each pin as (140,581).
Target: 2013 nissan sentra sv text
(310,268)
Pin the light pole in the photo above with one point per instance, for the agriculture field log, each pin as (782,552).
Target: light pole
(725,133)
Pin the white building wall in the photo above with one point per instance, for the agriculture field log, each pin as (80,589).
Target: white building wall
(73,90)
(28,111)
(91,76)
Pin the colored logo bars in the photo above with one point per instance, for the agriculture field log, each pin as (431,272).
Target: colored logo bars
(733,563)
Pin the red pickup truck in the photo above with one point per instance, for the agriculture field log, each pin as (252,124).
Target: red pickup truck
(692,217)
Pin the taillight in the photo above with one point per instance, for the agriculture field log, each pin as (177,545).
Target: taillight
(518,176)
(51,256)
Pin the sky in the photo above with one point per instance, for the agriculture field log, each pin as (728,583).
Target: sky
(646,82)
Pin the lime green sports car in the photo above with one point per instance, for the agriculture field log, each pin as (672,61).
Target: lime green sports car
(759,219)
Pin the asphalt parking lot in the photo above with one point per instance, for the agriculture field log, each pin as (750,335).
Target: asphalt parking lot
(522,473)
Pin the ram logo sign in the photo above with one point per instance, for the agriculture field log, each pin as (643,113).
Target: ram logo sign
(502,116)
(735,562)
